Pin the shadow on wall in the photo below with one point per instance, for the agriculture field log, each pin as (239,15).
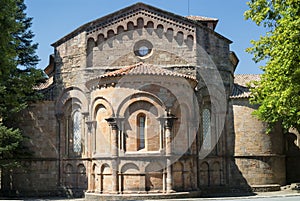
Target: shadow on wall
(258,156)
(236,181)
(292,157)
(74,181)
(224,178)
(41,168)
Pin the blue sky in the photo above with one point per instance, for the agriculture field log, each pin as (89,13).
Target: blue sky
(53,19)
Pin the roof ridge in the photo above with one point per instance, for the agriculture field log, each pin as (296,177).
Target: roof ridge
(120,12)
(202,17)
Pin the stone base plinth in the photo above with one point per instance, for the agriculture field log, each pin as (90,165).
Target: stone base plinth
(266,188)
(150,196)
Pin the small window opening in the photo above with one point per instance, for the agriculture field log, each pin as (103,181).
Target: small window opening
(141,131)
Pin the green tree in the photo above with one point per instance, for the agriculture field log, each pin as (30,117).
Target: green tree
(18,74)
(278,92)
(10,146)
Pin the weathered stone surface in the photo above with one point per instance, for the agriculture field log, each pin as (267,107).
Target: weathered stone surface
(90,137)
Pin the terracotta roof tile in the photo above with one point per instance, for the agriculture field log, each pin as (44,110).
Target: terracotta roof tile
(240,89)
(45,85)
(243,79)
(145,69)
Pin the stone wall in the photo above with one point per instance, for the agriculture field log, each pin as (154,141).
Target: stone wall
(258,156)
(89,54)
(122,53)
(292,149)
(39,125)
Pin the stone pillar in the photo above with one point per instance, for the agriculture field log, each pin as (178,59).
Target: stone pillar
(92,176)
(121,138)
(161,135)
(168,134)
(114,152)
(115,183)
(164,181)
(85,135)
(169,176)
(91,137)
(142,183)
(59,118)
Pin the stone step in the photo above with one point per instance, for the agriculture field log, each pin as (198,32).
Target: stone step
(295,186)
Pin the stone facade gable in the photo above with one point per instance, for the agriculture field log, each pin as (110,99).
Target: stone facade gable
(143,101)
(117,21)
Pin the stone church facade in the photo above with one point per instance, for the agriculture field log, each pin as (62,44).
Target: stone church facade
(146,101)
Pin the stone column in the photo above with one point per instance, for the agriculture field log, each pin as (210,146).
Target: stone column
(85,135)
(164,181)
(91,137)
(91,130)
(121,140)
(161,135)
(168,134)
(114,152)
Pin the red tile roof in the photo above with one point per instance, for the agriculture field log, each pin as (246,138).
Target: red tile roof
(145,69)
(44,85)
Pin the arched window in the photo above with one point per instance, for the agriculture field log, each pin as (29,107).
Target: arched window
(141,124)
(206,123)
(77,132)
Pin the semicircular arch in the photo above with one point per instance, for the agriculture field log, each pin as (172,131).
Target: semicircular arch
(140,96)
(69,94)
(130,168)
(98,102)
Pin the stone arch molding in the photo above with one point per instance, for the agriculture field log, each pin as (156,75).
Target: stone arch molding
(140,24)
(98,101)
(130,168)
(147,97)
(69,94)
(96,48)
(139,18)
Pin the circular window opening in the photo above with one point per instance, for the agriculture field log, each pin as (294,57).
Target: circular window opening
(143,51)
(143,48)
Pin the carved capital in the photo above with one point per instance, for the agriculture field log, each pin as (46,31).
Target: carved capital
(112,123)
(91,125)
(169,121)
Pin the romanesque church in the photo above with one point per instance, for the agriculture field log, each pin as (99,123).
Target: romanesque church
(144,101)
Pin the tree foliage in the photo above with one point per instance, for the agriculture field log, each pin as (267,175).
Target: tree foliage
(278,92)
(10,146)
(18,74)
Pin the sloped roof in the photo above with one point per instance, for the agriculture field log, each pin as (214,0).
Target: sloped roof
(206,21)
(201,18)
(240,88)
(244,79)
(45,85)
(108,19)
(145,69)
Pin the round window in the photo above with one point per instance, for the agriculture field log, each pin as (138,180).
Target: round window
(142,48)
(143,51)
